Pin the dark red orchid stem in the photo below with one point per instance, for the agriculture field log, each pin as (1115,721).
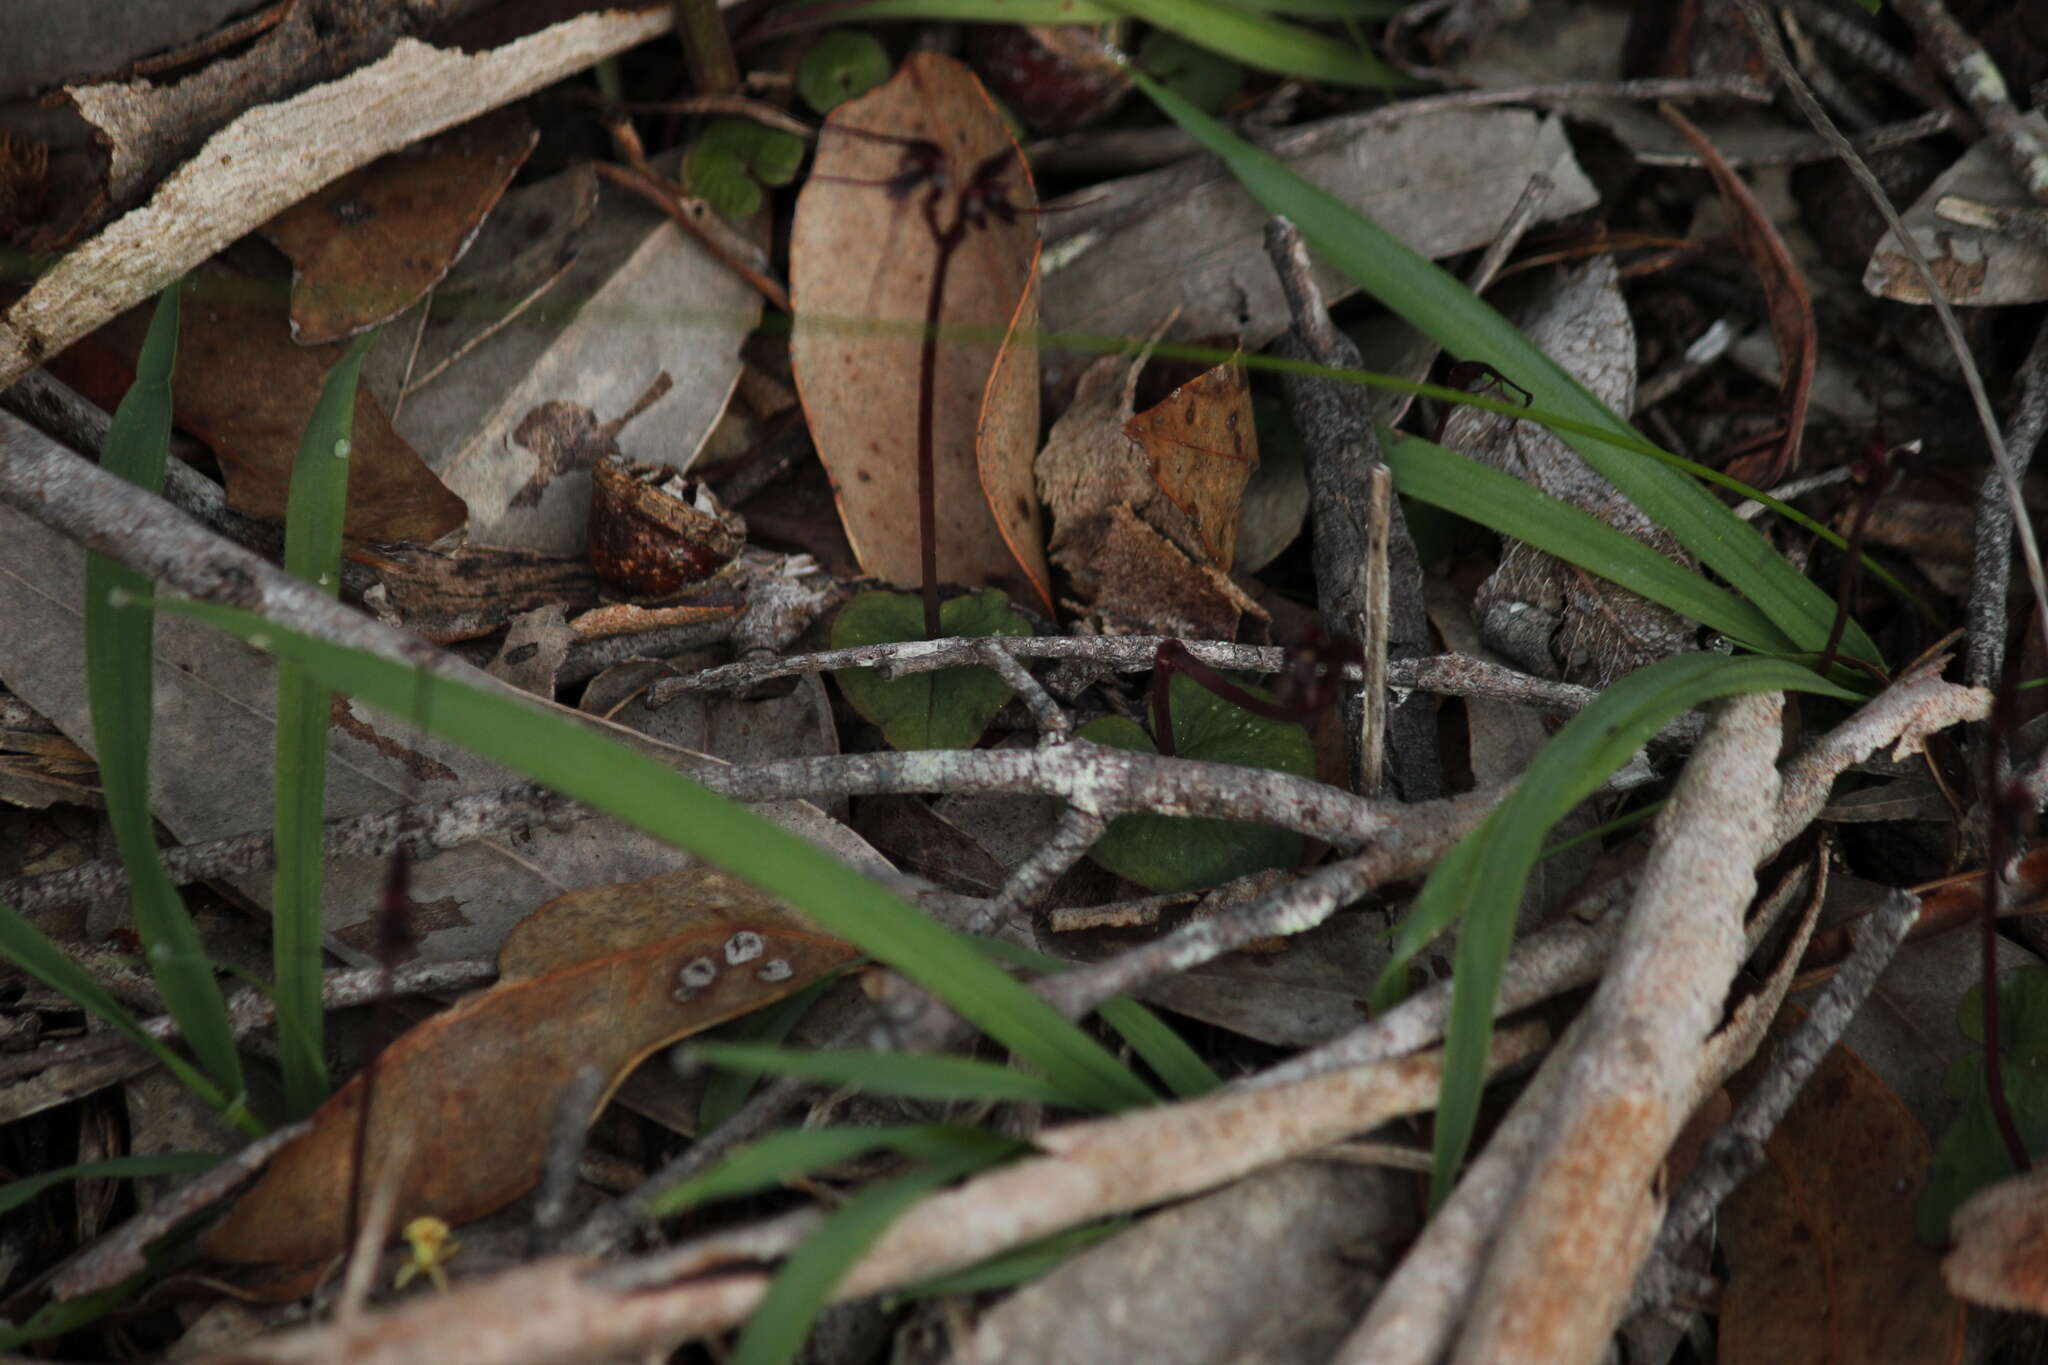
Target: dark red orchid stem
(947,242)
(1869,485)
(2006,804)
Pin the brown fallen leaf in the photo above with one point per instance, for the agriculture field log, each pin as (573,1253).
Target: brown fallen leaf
(1145,503)
(2000,1258)
(862,261)
(465,1100)
(1825,1263)
(1787,305)
(242,387)
(370,245)
(1006,442)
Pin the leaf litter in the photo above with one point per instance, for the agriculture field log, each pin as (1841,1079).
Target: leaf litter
(541,361)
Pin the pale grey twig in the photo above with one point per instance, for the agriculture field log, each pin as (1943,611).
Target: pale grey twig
(1991,536)
(1766,37)
(1069,842)
(1052,722)
(1738,1149)
(566,1136)
(1976,78)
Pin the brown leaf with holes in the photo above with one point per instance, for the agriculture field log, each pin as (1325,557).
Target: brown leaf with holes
(1825,1262)
(370,245)
(464,1102)
(862,263)
(242,387)
(1202,449)
(1786,305)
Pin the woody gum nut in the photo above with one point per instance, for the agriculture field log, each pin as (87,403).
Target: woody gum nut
(654,533)
(1056,78)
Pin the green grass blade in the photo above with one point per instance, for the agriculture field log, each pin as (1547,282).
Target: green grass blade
(953,11)
(782,1157)
(118,640)
(1457,483)
(591,767)
(776,1330)
(1439,306)
(15,1193)
(1480,881)
(1254,39)
(314,513)
(29,949)
(914,1075)
(1018,1266)
(726,1091)
(1182,1068)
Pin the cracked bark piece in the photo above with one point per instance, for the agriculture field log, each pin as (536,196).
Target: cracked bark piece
(1550,617)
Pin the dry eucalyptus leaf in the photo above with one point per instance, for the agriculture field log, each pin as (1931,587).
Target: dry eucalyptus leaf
(1549,617)
(275,155)
(1202,448)
(465,1101)
(1006,443)
(1974,266)
(244,388)
(368,246)
(1442,183)
(862,265)
(1821,1244)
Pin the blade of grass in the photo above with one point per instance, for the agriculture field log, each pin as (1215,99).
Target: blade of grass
(1049,11)
(15,1193)
(314,511)
(118,645)
(782,1157)
(1254,39)
(1480,881)
(776,1330)
(1015,1267)
(726,1091)
(1150,1037)
(29,949)
(589,766)
(1443,309)
(1457,483)
(913,1075)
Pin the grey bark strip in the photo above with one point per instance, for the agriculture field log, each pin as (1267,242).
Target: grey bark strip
(1342,449)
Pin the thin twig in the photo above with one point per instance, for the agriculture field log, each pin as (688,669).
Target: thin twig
(1991,536)
(1052,722)
(1371,736)
(558,1172)
(1076,833)
(1976,78)
(1738,1149)
(1766,38)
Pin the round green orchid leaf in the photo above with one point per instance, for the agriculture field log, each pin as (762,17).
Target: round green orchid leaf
(948,709)
(1972,1153)
(1179,853)
(843,64)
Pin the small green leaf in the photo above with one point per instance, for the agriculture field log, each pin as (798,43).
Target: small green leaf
(844,64)
(944,710)
(1182,853)
(1205,79)
(1972,1153)
(914,1075)
(731,159)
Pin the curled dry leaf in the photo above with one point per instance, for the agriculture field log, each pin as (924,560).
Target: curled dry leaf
(2000,1234)
(891,173)
(1145,504)
(1820,1241)
(654,532)
(244,388)
(370,245)
(465,1101)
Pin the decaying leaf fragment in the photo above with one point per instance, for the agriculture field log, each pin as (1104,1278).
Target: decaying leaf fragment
(1974,265)
(1145,504)
(892,175)
(463,1102)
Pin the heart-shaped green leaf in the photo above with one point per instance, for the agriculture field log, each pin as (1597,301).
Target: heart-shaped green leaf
(844,64)
(1972,1153)
(1180,853)
(944,710)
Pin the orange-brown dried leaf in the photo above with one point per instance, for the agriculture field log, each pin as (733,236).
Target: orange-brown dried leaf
(371,244)
(1202,448)
(1006,443)
(861,263)
(1826,1265)
(465,1101)
(242,387)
